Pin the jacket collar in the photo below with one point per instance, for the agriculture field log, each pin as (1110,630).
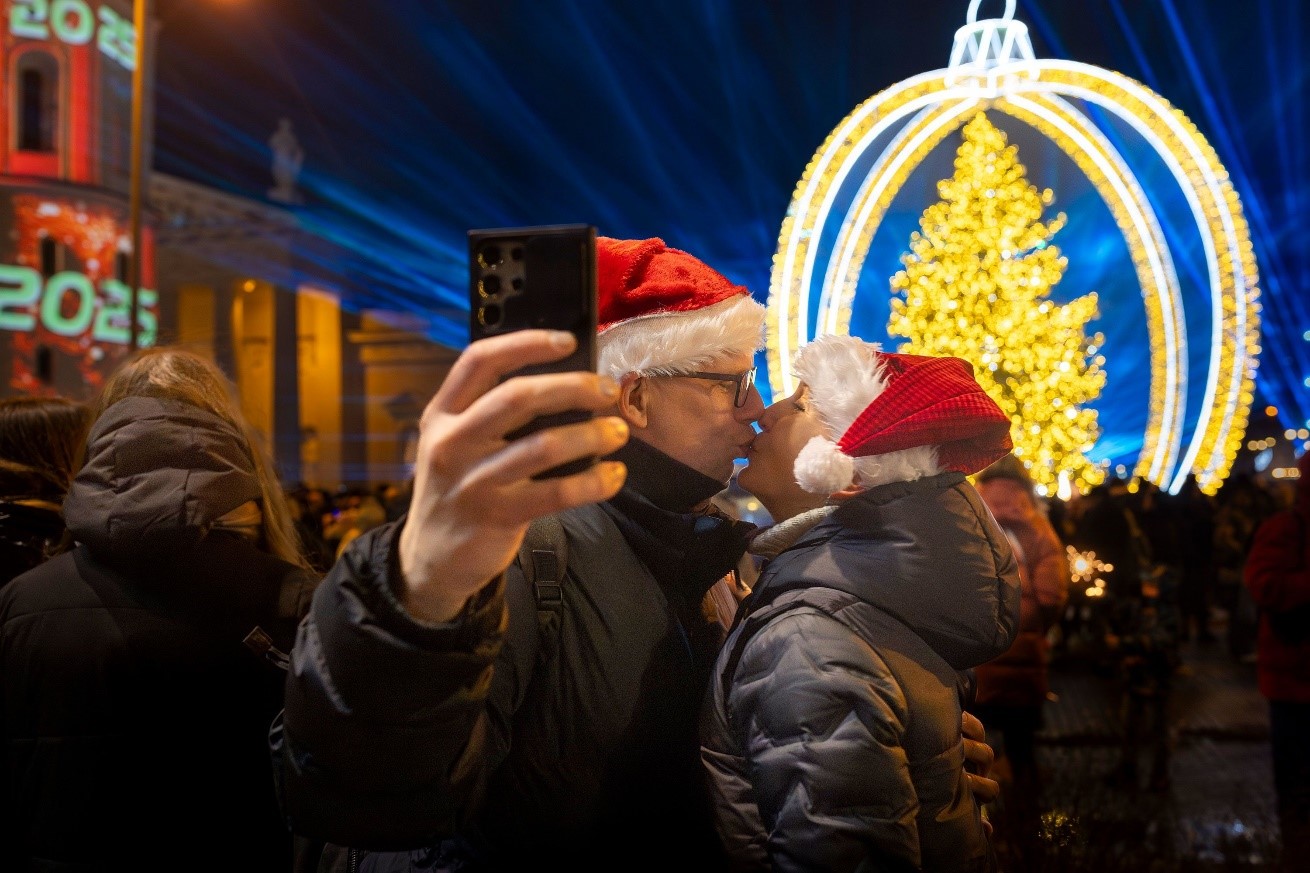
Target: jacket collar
(771,541)
(663,481)
(685,551)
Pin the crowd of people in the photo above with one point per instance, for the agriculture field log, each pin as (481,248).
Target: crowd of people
(1197,541)
(482,668)
(1228,570)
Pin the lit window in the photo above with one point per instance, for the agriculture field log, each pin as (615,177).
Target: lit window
(38,102)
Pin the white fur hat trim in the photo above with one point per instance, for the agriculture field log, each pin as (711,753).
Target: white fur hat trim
(668,343)
(822,468)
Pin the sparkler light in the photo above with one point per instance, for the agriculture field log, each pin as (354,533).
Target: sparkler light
(1086,569)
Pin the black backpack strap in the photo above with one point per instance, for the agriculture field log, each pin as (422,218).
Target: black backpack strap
(544,558)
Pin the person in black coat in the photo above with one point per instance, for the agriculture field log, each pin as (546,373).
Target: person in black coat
(136,689)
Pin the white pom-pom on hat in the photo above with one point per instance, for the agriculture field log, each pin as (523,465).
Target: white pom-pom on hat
(822,468)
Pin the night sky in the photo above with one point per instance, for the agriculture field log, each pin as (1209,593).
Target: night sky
(687,120)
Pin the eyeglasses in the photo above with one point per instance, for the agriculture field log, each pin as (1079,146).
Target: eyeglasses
(744,381)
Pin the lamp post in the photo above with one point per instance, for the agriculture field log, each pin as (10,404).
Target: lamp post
(141,10)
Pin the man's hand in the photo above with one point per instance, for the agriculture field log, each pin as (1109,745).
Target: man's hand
(978,760)
(473,492)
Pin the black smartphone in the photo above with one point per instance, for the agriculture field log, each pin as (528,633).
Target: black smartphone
(537,277)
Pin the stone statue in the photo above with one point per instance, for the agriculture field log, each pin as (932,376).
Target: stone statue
(288,157)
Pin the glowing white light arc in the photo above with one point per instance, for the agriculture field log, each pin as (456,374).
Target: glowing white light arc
(992,66)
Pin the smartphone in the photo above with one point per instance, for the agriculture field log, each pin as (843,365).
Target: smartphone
(537,277)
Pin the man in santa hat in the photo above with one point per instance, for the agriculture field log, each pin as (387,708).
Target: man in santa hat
(424,706)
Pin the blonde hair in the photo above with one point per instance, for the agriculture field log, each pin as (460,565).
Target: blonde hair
(185,376)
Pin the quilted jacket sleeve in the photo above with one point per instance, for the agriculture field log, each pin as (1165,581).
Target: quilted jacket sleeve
(822,717)
(385,726)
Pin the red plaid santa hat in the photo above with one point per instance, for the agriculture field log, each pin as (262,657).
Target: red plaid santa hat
(663,312)
(893,418)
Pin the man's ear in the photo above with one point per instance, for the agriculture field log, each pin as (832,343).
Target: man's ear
(634,400)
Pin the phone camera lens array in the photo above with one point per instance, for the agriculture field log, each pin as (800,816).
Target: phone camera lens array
(500,278)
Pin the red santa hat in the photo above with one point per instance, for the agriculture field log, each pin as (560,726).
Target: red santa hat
(664,312)
(893,418)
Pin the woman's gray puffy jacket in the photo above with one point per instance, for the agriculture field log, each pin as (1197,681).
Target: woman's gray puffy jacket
(832,736)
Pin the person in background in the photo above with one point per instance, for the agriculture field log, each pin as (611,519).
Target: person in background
(1139,620)
(395,498)
(831,734)
(1241,504)
(428,708)
(1144,636)
(1106,526)
(309,532)
(1277,572)
(138,670)
(1012,688)
(318,505)
(1196,583)
(336,516)
(356,519)
(1158,514)
(40,438)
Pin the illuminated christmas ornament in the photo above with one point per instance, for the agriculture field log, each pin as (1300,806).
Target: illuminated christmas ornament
(853,178)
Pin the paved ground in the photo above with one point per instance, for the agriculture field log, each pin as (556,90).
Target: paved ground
(1217,812)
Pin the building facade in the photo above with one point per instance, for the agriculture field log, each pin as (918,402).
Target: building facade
(334,385)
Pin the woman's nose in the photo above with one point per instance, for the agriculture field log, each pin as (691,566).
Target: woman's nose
(769,416)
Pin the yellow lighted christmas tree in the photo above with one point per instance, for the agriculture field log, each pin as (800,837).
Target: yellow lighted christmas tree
(976,285)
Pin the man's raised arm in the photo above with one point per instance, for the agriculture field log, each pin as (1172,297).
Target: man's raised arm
(473,492)
(382,744)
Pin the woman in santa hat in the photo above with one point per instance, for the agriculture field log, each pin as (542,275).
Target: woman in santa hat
(831,735)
